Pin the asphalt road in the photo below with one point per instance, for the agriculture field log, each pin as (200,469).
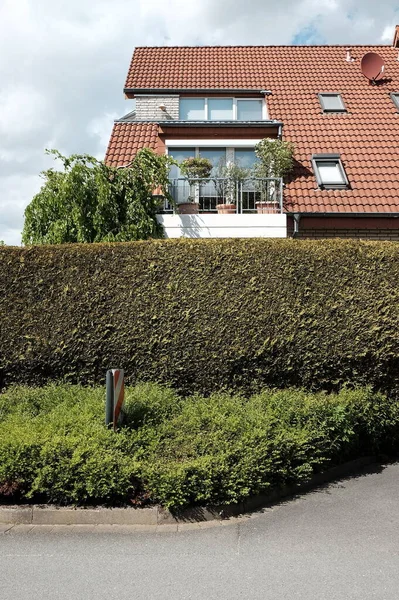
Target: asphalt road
(340,542)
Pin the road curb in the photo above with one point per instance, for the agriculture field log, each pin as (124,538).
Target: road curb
(158,516)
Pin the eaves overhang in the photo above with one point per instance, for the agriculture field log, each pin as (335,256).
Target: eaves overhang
(175,123)
(268,123)
(258,90)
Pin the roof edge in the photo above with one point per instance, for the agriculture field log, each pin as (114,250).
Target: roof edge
(342,214)
(259,90)
(165,123)
(270,46)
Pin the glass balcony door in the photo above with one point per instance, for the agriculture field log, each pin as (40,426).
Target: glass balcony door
(180,190)
(209,192)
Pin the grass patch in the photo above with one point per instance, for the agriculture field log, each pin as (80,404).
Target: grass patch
(178,451)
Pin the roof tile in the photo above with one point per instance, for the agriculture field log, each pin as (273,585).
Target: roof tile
(127,139)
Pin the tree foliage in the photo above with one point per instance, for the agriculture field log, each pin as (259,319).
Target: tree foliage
(275,158)
(89,201)
(196,168)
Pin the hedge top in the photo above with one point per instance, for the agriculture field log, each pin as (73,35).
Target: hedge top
(203,315)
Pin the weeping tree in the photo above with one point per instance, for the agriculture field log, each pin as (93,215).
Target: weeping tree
(89,201)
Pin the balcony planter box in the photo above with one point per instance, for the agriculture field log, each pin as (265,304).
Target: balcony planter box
(263,208)
(188,208)
(226,209)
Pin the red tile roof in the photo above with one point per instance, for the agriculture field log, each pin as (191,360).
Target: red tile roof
(367,136)
(127,139)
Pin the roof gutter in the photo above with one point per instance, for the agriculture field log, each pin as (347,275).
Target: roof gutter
(196,91)
(221,123)
(173,123)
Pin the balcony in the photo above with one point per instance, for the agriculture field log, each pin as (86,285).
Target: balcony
(221,208)
(250,196)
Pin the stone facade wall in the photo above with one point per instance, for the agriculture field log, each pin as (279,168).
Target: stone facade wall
(147,108)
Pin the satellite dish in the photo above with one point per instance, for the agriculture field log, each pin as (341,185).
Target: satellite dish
(372,66)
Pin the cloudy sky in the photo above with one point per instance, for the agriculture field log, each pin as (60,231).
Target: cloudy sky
(63,64)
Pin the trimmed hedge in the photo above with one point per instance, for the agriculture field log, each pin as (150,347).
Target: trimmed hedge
(203,315)
(54,446)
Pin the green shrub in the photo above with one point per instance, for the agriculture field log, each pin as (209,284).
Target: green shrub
(54,446)
(148,404)
(203,315)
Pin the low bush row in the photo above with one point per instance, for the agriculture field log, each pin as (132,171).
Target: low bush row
(179,451)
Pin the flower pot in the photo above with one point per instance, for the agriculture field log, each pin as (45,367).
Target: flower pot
(188,208)
(226,209)
(263,208)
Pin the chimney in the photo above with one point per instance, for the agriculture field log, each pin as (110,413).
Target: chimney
(349,57)
(396,37)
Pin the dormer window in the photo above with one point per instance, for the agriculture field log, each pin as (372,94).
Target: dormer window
(250,110)
(332,103)
(395,99)
(222,109)
(192,109)
(329,171)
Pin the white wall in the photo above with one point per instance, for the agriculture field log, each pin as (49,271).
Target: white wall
(147,107)
(224,226)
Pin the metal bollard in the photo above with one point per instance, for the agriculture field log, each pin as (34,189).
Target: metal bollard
(115,397)
(109,400)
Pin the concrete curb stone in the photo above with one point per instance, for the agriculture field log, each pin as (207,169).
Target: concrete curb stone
(16,514)
(94,516)
(159,517)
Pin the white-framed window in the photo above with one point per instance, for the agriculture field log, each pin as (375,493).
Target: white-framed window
(180,154)
(250,110)
(217,156)
(395,99)
(244,156)
(192,109)
(329,171)
(222,109)
(332,102)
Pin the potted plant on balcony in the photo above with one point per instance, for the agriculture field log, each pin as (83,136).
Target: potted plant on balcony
(228,177)
(197,171)
(275,160)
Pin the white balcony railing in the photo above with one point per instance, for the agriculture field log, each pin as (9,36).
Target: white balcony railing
(248,196)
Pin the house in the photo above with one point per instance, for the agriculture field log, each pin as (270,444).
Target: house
(218,102)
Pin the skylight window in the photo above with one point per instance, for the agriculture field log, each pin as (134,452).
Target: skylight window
(395,99)
(329,171)
(332,103)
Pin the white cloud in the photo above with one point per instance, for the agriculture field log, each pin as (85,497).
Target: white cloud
(19,188)
(99,129)
(23,110)
(388,33)
(63,65)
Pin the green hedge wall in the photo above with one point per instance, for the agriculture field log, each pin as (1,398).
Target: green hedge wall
(203,315)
